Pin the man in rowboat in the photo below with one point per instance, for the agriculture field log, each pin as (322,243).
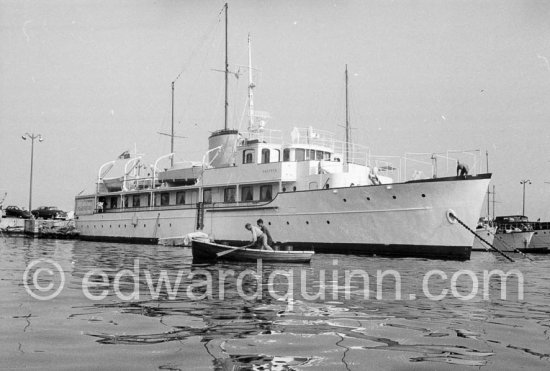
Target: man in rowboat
(264,229)
(259,238)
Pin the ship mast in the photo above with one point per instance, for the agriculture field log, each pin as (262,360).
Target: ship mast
(347,120)
(172,132)
(251,86)
(488,192)
(226,67)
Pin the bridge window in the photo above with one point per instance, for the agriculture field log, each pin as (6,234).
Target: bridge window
(265,156)
(248,156)
(319,155)
(207,196)
(246,193)
(286,154)
(180,198)
(229,194)
(113,202)
(266,193)
(300,154)
(164,199)
(135,200)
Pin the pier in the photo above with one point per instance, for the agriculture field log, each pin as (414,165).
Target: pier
(39,228)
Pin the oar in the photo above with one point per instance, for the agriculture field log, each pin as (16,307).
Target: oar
(232,250)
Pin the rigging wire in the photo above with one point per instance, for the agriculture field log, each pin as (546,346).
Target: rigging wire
(205,39)
(202,41)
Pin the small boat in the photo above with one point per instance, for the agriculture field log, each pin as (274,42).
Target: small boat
(485,230)
(541,239)
(204,249)
(514,232)
(512,240)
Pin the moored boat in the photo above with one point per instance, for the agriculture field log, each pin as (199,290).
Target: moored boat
(204,249)
(486,231)
(512,240)
(311,190)
(541,239)
(518,229)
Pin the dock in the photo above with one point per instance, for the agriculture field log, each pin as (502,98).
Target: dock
(39,228)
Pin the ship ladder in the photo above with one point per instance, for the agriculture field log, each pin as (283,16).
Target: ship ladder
(482,239)
(200,216)
(156,226)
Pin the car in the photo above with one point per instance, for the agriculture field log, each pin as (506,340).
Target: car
(17,212)
(49,212)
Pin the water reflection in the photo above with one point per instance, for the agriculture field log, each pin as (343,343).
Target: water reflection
(241,325)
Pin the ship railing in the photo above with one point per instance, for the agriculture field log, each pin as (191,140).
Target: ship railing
(264,135)
(390,166)
(439,164)
(357,154)
(144,208)
(470,157)
(310,136)
(415,166)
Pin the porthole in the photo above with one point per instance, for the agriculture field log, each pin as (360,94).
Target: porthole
(328,221)
(269,223)
(144,226)
(345,200)
(394,197)
(368,198)
(159,224)
(423,195)
(170,224)
(307,222)
(287,223)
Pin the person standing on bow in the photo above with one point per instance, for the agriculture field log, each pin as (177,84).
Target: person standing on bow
(461,169)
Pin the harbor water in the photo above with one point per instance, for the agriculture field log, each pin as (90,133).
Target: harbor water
(69,305)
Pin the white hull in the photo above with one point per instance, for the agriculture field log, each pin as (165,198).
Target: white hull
(513,240)
(408,219)
(488,234)
(540,241)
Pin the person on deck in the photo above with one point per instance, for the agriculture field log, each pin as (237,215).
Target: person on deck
(259,238)
(461,169)
(264,229)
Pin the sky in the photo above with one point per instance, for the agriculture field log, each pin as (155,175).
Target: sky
(94,79)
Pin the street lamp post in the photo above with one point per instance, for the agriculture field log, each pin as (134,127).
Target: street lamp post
(32,137)
(524,182)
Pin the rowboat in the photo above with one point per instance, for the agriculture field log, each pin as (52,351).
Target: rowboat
(204,249)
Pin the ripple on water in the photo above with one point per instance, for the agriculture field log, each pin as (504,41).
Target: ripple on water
(232,333)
